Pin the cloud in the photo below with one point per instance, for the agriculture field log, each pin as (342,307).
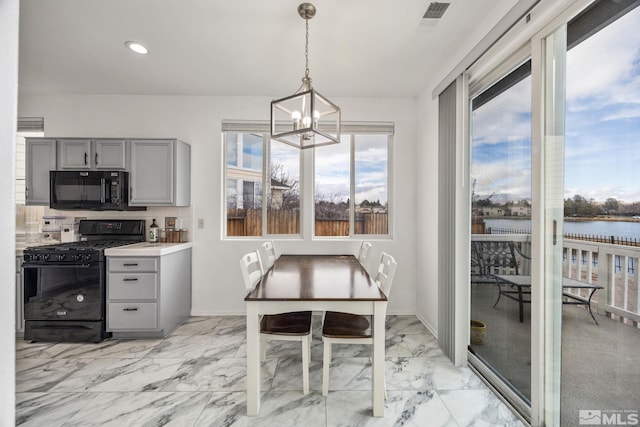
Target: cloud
(602,123)
(603,69)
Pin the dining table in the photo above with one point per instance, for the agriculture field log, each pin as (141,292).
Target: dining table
(317,283)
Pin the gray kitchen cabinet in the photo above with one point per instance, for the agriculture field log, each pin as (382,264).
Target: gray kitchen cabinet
(19,298)
(40,159)
(79,154)
(160,173)
(148,296)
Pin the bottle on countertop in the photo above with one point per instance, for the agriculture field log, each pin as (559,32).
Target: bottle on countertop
(153,232)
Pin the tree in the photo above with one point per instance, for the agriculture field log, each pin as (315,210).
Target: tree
(291,196)
(579,206)
(611,205)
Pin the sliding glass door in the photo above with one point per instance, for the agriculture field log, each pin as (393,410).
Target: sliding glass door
(600,372)
(554,139)
(500,282)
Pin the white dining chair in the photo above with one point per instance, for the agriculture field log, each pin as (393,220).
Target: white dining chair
(270,257)
(347,328)
(294,326)
(363,254)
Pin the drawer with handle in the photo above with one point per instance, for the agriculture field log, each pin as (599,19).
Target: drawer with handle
(128,286)
(116,264)
(131,316)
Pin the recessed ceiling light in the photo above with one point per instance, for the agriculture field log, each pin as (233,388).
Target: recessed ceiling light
(136,47)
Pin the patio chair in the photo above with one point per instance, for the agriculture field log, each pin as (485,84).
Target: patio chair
(294,326)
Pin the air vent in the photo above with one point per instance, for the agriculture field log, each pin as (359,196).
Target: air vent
(30,124)
(436,10)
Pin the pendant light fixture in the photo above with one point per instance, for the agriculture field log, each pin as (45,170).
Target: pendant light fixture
(305,119)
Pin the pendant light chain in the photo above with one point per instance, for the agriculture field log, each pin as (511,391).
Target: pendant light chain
(306,49)
(305,119)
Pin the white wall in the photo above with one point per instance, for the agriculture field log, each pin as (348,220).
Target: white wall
(8,108)
(217,283)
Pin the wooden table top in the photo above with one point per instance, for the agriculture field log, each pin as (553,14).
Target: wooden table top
(318,278)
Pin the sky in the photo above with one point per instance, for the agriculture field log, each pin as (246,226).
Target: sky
(332,170)
(602,146)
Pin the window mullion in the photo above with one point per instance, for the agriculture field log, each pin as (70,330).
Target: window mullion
(352,185)
(266,179)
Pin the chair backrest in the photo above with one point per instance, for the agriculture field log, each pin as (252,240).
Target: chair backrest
(494,257)
(365,250)
(385,273)
(251,267)
(270,255)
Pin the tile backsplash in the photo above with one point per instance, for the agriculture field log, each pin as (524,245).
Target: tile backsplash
(30,214)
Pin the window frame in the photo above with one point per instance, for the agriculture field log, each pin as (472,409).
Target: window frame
(306,177)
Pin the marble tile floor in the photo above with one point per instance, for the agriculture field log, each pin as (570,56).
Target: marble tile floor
(196,377)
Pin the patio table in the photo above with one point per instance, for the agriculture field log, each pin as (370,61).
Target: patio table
(522,293)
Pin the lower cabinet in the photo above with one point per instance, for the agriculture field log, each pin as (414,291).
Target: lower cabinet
(149,296)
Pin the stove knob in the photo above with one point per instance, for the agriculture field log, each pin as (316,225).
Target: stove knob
(46,257)
(88,257)
(62,257)
(78,257)
(35,257)
(27,258)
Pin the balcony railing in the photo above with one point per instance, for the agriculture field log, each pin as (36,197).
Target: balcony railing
(612,266)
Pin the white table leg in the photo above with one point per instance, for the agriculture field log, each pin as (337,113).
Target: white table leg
(253,360)
(379,311)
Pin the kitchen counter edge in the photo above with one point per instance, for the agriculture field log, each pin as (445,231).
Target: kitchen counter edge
(147,249)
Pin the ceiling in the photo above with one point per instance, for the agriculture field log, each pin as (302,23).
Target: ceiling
(252,47)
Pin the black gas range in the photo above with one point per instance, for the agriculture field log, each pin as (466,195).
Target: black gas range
(65,284)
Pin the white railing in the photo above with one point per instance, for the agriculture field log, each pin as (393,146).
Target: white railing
(614,267)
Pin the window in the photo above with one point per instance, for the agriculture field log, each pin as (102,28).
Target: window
(245,186)
(262,191)
(332,189)
(337,182)
(283,208)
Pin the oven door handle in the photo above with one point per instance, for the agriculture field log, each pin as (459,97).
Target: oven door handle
(52,265)
(104,190)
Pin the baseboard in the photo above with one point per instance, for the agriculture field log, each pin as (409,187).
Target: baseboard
(427,325)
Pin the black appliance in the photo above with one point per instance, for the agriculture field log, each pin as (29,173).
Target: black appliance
(65,284)
(90,190)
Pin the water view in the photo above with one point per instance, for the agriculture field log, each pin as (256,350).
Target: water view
(626,229)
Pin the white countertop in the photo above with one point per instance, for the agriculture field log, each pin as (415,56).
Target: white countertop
(147,249)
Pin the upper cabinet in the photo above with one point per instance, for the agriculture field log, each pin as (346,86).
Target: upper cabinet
(78,154)
(40,159)
(159,169)
(160,173)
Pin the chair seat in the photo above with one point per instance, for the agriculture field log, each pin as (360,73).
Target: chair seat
(346,325)
(296,323)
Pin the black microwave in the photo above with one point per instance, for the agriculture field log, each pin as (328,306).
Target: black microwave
(90,190)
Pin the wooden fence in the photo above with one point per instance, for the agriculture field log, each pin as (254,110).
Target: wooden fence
(249,223)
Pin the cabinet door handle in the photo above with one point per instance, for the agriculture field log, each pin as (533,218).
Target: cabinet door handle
(130,264)
(96,159)
(86,158)
(130,279)
(130,309)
